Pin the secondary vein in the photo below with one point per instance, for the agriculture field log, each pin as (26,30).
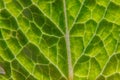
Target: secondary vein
(67,39)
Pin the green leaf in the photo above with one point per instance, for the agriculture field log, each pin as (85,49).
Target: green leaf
(59,40)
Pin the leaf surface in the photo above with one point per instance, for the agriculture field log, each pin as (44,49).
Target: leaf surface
(59,39)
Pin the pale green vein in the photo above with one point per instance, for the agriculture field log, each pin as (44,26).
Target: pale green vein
(74,22)
(93,34)
(49,19)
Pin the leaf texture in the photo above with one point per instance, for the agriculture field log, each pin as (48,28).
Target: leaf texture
(59,40)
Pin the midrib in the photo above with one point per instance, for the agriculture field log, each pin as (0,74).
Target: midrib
(67,39)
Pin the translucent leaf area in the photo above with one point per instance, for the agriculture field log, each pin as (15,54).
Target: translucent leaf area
(59,39)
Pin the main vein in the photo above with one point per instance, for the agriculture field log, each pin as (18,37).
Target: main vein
(70,68)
